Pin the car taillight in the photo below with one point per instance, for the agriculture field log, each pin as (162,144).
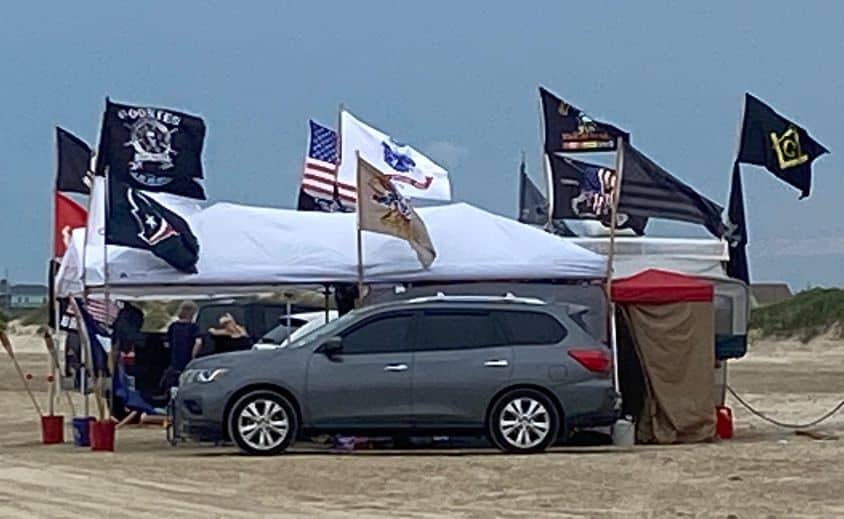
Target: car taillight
(596,361)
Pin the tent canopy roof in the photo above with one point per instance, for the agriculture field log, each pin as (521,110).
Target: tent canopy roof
(245,248)
(653,286)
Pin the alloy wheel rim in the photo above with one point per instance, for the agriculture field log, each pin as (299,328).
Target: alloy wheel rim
(263,424)
(524,422)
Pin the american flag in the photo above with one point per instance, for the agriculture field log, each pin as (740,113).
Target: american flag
(102,314)
(320,176)
(96,308)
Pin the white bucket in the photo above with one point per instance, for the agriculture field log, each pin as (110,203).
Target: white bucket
(624,432)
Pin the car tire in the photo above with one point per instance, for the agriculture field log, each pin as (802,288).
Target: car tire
(523,421)
(263,423)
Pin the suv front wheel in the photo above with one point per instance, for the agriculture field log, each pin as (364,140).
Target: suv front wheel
(523,421)
(263,423)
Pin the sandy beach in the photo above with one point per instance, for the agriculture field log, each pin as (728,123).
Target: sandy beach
(762,472)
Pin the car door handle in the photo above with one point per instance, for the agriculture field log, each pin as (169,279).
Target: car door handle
(497,363)
(395,367)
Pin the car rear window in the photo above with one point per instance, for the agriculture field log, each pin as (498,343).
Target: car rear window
(458,330)
(531,327)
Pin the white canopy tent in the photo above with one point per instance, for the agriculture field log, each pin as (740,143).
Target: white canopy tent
(246,249)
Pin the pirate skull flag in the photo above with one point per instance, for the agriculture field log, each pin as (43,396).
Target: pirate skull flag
(153,149)
(136,220)
(569,130)
(785,149)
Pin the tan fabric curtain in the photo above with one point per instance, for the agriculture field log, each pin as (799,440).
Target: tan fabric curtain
(675,344)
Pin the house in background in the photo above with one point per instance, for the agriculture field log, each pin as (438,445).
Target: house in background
(23,296)
(764,294)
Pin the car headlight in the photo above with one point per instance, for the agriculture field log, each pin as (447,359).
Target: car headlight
(203,376)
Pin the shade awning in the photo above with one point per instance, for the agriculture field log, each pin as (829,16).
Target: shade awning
(253,249)
(653,286)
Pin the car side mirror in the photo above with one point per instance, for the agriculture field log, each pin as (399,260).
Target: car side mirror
(332,346)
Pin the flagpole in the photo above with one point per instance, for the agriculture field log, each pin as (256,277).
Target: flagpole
(522,174)
(616,197)
(83,356)
(543,157)
(54,301)
(359,232)
(84,353)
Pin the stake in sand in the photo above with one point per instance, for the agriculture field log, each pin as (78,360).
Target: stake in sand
(7,345)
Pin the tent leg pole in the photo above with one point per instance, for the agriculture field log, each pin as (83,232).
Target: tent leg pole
(616,383)
(327,292)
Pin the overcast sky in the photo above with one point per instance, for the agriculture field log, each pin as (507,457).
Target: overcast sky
(456,79)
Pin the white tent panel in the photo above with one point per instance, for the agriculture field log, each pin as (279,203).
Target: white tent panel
(245,248)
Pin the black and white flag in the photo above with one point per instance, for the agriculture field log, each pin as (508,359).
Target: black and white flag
(533,207)
(136,220)
(583,191)
(648,190)
(152,149)
(736,231)
(73,163)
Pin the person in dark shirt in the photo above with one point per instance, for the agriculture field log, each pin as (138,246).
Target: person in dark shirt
(229,336)
(183,337)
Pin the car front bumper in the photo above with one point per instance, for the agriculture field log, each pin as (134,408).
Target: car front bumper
(198,412)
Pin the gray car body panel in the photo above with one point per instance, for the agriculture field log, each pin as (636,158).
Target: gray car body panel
(440,389)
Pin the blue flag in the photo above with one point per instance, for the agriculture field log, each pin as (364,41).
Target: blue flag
(99,357)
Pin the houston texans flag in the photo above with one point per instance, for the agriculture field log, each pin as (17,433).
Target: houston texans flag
(134,219)
(413,174)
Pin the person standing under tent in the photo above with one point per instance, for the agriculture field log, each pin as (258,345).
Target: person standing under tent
(183,337)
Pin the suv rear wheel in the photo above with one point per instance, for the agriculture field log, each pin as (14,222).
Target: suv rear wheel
(263,423)
(523,421)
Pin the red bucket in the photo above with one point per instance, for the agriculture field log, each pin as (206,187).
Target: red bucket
(52,429)
(724,422)
(102,435)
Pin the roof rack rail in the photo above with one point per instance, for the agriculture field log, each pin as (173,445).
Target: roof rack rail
(508,297)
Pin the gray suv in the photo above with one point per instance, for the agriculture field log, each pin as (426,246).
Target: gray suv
(517,370)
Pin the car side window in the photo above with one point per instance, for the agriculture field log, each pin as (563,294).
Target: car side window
(378,335)
(529,328)
(458,331)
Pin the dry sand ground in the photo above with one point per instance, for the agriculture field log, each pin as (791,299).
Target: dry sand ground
(763,472)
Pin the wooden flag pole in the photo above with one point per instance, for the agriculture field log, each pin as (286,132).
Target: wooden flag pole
(85,356)
(616,197)
(109,356)
(7,345)
(85,348)
(51,348)
(359,232)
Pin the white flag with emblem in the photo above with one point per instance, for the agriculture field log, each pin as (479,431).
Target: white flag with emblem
(413,174)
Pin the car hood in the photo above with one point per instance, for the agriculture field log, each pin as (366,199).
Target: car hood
(240,358)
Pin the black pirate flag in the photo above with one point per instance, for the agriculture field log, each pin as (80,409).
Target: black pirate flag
(785,149)
(569,130)
(136,220)
(153,149)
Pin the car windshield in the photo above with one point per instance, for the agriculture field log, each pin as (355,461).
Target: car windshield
(326,330)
